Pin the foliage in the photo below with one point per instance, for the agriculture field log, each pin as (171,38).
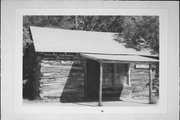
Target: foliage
(155,82)
(142,32)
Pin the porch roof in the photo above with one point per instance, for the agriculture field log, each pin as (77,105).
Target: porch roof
(119,58)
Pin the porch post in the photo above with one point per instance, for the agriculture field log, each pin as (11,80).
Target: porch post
(114,76)
(150,83)
(129,75)
(100,84)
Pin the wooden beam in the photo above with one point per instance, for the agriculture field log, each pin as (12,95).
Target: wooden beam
(150,84)
(37,76)
(116,61)
(100,84)
(129,74)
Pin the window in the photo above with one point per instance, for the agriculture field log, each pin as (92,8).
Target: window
(108,74)
(115,74)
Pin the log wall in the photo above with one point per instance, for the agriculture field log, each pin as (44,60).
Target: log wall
(62,80)
(139,82)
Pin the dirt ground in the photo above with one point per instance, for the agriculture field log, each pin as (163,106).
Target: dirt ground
(122,102)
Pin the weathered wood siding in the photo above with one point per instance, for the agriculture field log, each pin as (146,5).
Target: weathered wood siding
(62,80)
(139,83)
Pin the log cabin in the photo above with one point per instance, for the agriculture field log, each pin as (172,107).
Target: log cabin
(74,65)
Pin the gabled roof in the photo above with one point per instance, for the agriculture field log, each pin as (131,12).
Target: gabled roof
(76,41)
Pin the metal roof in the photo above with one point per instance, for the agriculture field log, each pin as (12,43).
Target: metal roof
(76,41)
(119,58)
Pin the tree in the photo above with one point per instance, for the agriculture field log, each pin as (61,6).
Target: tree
(141,32)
